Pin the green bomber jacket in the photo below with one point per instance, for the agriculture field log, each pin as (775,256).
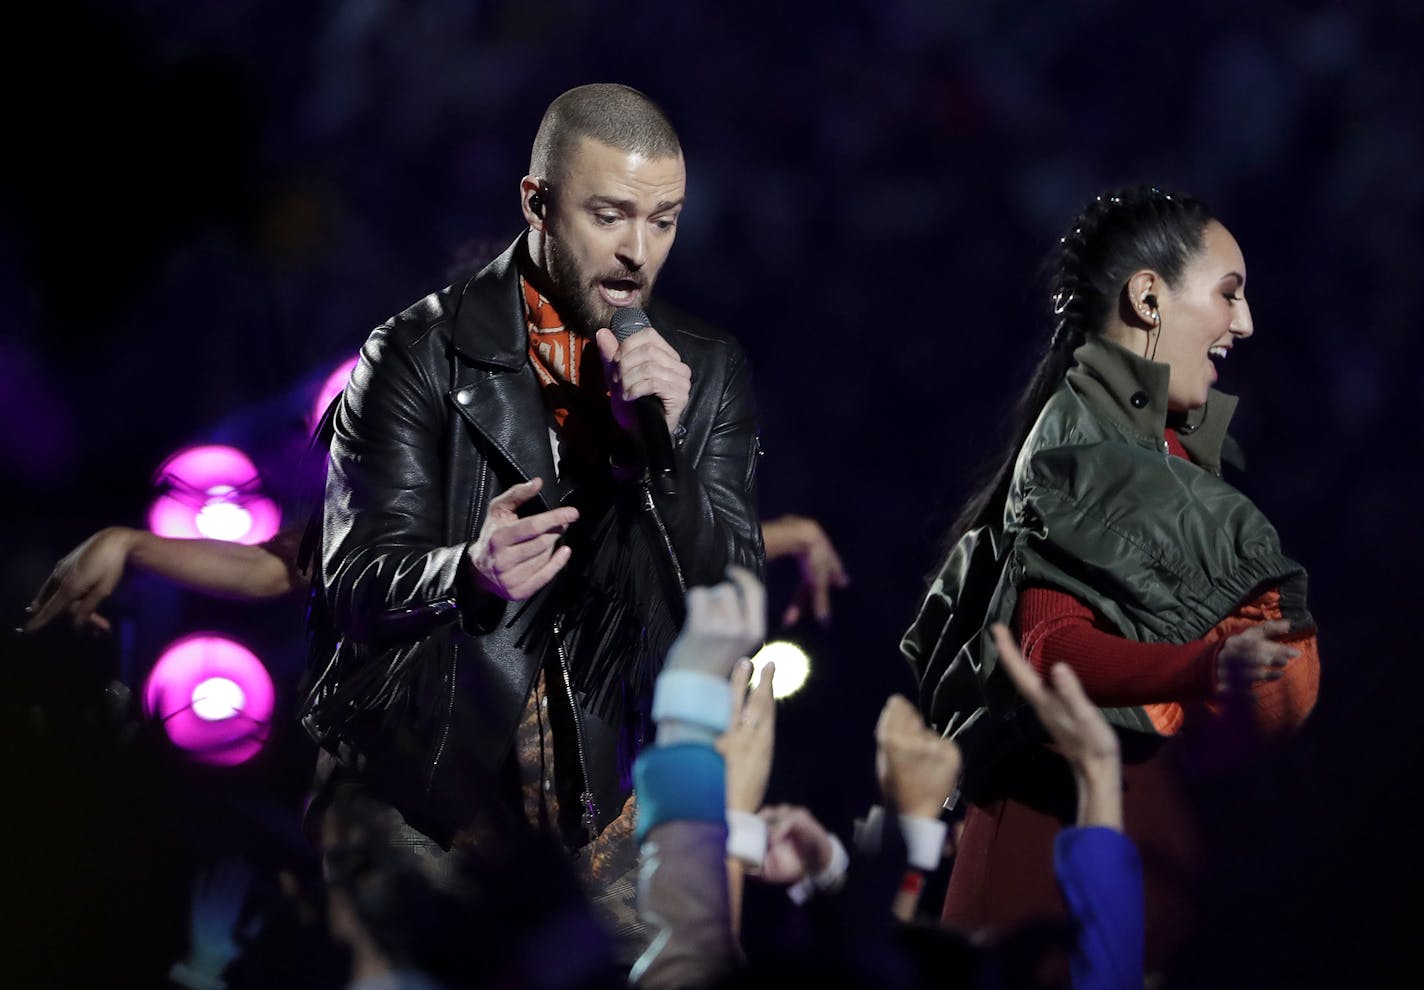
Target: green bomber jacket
(1163,547)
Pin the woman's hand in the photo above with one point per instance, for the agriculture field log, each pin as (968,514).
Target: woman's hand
(86,576)
(821,567)
(1253,656)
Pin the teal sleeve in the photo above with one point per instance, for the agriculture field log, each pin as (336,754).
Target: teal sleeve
(682,782)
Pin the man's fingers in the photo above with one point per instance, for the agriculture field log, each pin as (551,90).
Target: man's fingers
(533,527)
(506,559)
(648,340)
(512,498)
(607,345)
(517,572)
(542,576)
(660,387)
(636,357)
(821,601)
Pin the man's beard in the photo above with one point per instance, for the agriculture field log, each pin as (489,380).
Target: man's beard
(576,298)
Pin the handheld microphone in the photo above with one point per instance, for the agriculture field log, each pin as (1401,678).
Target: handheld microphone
(652,421)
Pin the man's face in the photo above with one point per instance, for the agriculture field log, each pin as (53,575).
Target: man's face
(611,223)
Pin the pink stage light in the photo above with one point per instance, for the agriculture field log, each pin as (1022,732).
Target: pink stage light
(331,388)
(213,492)
(214,698)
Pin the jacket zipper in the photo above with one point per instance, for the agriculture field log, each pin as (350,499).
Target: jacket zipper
(454,657)
(652,508)
(589,817)
(449,715)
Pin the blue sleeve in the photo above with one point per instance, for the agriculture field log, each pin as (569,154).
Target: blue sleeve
(682,782)
(1101,877)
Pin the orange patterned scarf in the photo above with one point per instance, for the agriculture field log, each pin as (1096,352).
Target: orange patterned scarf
(571,380)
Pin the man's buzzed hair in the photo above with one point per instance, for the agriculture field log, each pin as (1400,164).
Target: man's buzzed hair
(617,115)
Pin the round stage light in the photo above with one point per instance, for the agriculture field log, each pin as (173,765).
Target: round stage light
(218,698)
(793,666)
(213,491)
(214,698)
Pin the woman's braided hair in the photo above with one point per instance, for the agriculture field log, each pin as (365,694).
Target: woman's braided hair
(1118,233)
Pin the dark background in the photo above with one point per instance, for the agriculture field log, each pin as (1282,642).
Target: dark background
(204,207)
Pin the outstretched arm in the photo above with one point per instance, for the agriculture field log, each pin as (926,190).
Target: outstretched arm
(89,573)
(711,521)
(682,790)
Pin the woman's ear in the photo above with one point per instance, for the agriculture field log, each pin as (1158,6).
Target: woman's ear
(1141,292)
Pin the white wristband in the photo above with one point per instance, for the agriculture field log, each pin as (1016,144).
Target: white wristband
(695,697)
(924,837)
(746,838)
(924,841)
(832,878)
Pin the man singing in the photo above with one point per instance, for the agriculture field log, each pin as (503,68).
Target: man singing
(501,573)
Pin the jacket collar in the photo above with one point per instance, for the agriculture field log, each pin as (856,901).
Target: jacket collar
(1132,391)
(494,388)
(489,323)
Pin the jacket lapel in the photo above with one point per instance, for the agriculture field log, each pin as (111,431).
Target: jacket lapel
(494,388)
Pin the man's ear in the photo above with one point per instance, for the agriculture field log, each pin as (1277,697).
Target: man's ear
(534,201)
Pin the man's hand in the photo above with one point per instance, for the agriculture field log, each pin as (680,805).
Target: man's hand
(1252,656)
(917,767)
(724,623)
(513,557)
(821,567)
(1077,728)
(82,579)
(750,740)
(797,845)
(644,364)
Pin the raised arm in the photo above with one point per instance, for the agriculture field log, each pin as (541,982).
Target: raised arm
(712,520)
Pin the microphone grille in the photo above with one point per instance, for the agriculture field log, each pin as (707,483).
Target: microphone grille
(628,320)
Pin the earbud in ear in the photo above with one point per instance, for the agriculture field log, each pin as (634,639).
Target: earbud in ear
(1150,300)
(536,205)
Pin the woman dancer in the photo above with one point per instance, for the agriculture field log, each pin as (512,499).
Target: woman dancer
(1110,542)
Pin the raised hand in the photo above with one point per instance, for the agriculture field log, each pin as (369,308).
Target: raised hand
(513,557)
(724,623)
(1076,727)
(644,364)
(750,740)
(821,568)
(917,767)
(797,845)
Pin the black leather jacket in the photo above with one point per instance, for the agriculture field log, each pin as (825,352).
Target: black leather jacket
(443,413)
